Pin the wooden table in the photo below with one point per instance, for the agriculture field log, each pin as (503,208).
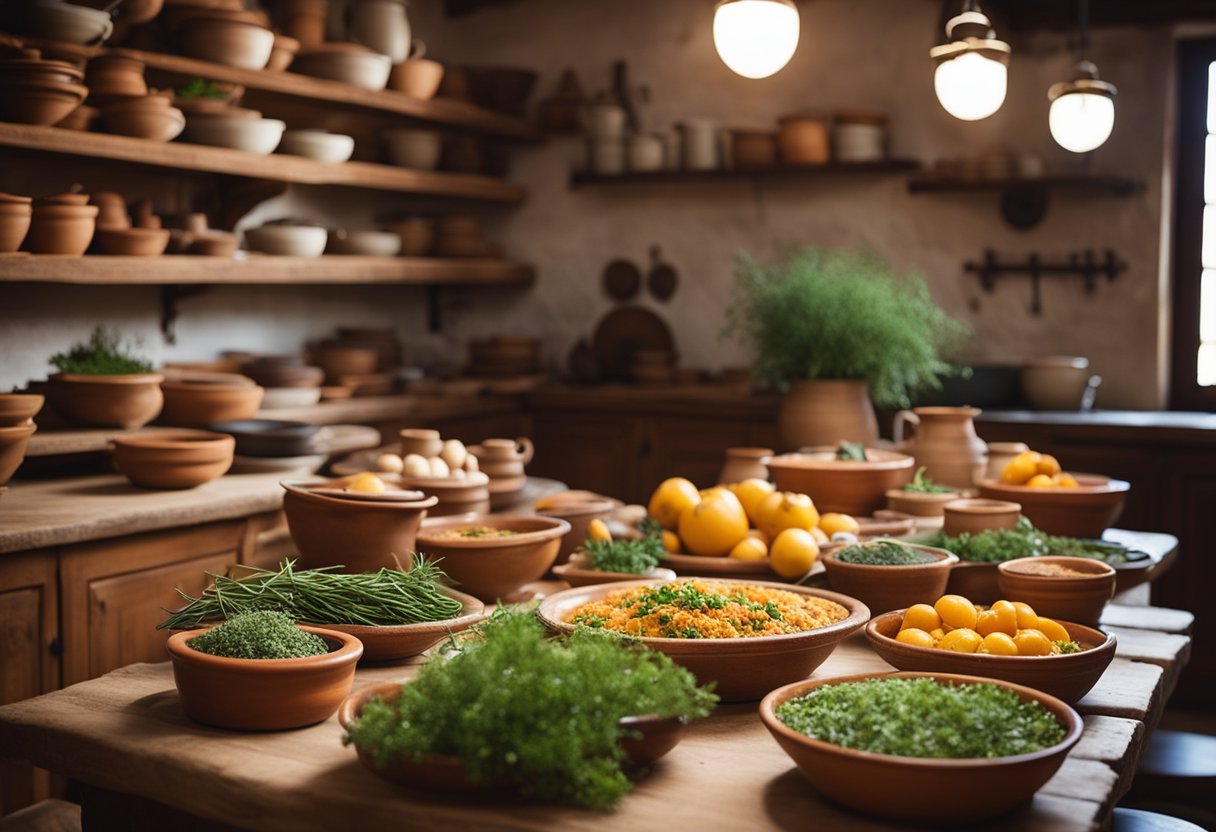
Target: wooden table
(125,736)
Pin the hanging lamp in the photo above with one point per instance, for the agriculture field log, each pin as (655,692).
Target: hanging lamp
(756,38)
(972,72)
(1083,108)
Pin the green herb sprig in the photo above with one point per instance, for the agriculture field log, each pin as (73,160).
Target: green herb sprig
(1025,541)
(101,355)
(634,557)
(921,484)
(851,452)
(259,635)
(202,88)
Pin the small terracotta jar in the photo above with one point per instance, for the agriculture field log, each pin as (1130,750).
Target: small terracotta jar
(424,442)
(754,148)
(745,464)
(977,515)
(803,139)
(61,229)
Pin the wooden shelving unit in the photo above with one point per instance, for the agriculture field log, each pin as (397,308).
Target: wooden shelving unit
(1117,185)
(582,179)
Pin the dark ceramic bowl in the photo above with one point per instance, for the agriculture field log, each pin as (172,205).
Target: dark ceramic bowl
(268,437)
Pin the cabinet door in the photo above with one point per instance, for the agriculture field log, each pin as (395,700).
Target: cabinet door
(693,449)
(600,453)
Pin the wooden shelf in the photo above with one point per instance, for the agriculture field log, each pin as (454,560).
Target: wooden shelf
(276,168)
(1117,185)
(260,269)
(580,179)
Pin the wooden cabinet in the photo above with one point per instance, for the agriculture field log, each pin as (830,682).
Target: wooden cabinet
(599,453)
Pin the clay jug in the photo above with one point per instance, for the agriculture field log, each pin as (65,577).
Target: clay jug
(944,443)
(826,412)
(382,26)
(745,464)
(503,458)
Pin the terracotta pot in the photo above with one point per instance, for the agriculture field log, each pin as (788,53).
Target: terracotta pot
(976,515)
(945,444)
(61,229)
(133,242)
(38,102)
(236,43)
(883,588)
(283,53)
(470,495)
(15,222)
(1085,511)
(745,464)
(198,404)
(919,504)
(579,515)
(495,568)
(114,77)
(19,408)
(754,148)
(337,359)
(118,401)
(911,786)
(111,210)
(825,412)
(857,487)
(306,21)
(422,441)
(263,694)
(149,117)
(1079,598)
(417,77)
(13,440)
(803,140)
(417,235)
(999,455)
(393,642)
(175,459)
(356,535)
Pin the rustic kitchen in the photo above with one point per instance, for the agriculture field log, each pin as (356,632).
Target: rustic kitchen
(537,414)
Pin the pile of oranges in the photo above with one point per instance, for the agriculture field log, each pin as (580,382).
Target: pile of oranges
(748,520)
(1035,470)
(1007,628)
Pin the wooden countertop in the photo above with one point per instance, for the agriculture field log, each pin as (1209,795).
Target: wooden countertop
(726,768)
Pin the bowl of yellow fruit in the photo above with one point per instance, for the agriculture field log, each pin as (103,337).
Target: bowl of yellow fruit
(1056,501)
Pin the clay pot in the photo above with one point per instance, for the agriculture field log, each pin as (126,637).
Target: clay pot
(945,444)
(15,221)
(118,401)
(1085,511)
(264,694)
(883,588)
(271,373)
(999,455)
(388,345)
(337,359)
(825,412)
(197,404)
(579,515)
(1079,598)
(803,140)
(920,504)
(39,102)
(19,408)
(173,460)
(305,21)
(148,117)
(282,53)
(389,642)
(754,148)
(417,77)
(111,210)
(356,535)
(133,242)
(84,118)
(421,441)
(213,244)
(114,77)
(976,515)
(470,495)
(227,41)
(495,568)
(745,464)
(417,235)
(852,487)
(13,440)
(61,229)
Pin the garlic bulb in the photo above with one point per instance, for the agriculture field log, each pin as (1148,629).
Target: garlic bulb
(416,465)
(439,468)
(389,463)
(453,453)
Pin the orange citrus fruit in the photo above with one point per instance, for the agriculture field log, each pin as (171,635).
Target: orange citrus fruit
(749,548)
(833,522)
(597,529)
(670,500)
(783,510)
(714,525)
(752,493)
(793,553)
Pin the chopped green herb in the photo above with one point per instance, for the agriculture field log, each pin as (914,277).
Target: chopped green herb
(202,88)
(259,635)
(882,553)
(101,355)
(634,557)
(921,484)
(851,452)
(1068,646)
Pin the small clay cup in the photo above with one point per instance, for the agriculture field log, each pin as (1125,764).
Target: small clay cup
(12,448)
(1079,598)
(421,441)
(977,515)
(15,222)
(19,408)
(173,460)
(417,77)
(883,588)
(115,401)
(61,229)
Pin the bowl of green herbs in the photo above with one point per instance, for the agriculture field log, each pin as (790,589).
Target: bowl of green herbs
(930,748)
(922,497)
(889,574)
(100,383)
(608,561)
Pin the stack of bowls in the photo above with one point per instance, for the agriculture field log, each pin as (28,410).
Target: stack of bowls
(62,224)
(338,358)
(350,63)
(234,38)
(503,461)
(288,381)
(37,91)
(15,214)
(145,117)
(115,234)
(66,22)
(17,414)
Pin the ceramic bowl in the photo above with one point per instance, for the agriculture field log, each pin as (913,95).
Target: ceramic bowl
(288,240)
(417,235)
(909,789)
(354,534)
(34,102)
(270,438)
(412,148)
(149,117)
(858,488)
(213,244)
(13,440)
(173,459)
(744,669)
(976,515)
(400,641)
(264,694)
(84,118)
(15,222)
(883,588)
(226,41)
(1067,676)
(119,401)
(270,373)
(1055,383)
(349,63)
(576,573)
(364,243)
(287,398)
(319,145)
(417,77)
(1079,598)
(196,404)
(494,568)
(19,408)
(282,53)
(68,23)
(919,504)
(61,229)
(579,515)
(1085,511)
(259,136)
(132,242)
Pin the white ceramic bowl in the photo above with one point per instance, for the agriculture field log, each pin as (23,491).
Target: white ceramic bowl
(1055,383)
(410,148)
(252,135)
(321,145)
(230,42)
(61,21)
(357,67)
(277,398)
(366,243)
(288,240)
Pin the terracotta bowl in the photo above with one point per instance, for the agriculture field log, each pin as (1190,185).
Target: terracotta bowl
(1085,511)
(357,535)
(122,401)
(230,42)
(339,358)
(576,573)
(883,588)
(1075,597)
(856,488)
(149,117)
(263,694)
(133,242)
(174,459)
(392,642)
(493,568)
(579,515)
(19,408)
(275,374)
(417,78)
(919,504)
(13,441)
(61,229)
(347,62)
(909,789)
(29,102)
(976,515)
(84,118)
(14,225)
(1069,676)
(744,669)
(196,404)
(659,735)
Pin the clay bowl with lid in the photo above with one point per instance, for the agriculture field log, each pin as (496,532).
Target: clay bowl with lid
(856,487)
(1085,511)
(579,514)
(909,789)
(19,408)
(391,642)
(196,404)
(226,40)
(1059,587)
(493,567)
(106,401)
(61,229)
(39,102)
(358,533)
(13,441)
(883,588)
(264,694)
(173,459)
(15,219)
(144,117)
(30,65)
(132,242)
(1068,676)
(468,494)
(744,669)
(974,515)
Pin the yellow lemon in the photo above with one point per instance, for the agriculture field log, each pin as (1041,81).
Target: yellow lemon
(1021,468)
(915,637)
(1053,630)
(670,500)
(783,510)
(1027,619)
(752,493)
(366,483)
(714,525)
(998,644)
(1041,481)
(820,537)
(957,612)
(671,541)
(962,640)
(1032,643)
(1006,618)
(597,529)
(833,522)
(1066,481)
(793,553)
(1048,465)
(921,617)
(749,548)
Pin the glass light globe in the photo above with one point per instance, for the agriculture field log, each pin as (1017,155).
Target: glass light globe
(1081,121)
(755,38)
(971,87)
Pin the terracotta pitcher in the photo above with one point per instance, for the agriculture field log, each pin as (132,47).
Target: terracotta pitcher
(745,463)
(502,458)
(944,443)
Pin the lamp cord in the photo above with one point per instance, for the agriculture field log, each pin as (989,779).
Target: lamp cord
(1083,23)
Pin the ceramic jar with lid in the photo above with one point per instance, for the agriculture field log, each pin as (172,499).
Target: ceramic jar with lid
(803,139)
(860,135)
(700,144)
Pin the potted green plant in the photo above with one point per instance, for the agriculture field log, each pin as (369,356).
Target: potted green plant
(100,383)
(839,331)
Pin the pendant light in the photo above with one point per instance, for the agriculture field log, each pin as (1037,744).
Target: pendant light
(1083,108)
(755,38)
(972,71)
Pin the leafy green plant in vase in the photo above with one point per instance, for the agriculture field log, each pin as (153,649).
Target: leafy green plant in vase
(839,332)
(101,384)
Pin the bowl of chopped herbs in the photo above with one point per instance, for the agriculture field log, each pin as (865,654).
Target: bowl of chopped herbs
(922,497)
(889,574)
(101,383)
(930,748)
(606,561)
(259,671)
